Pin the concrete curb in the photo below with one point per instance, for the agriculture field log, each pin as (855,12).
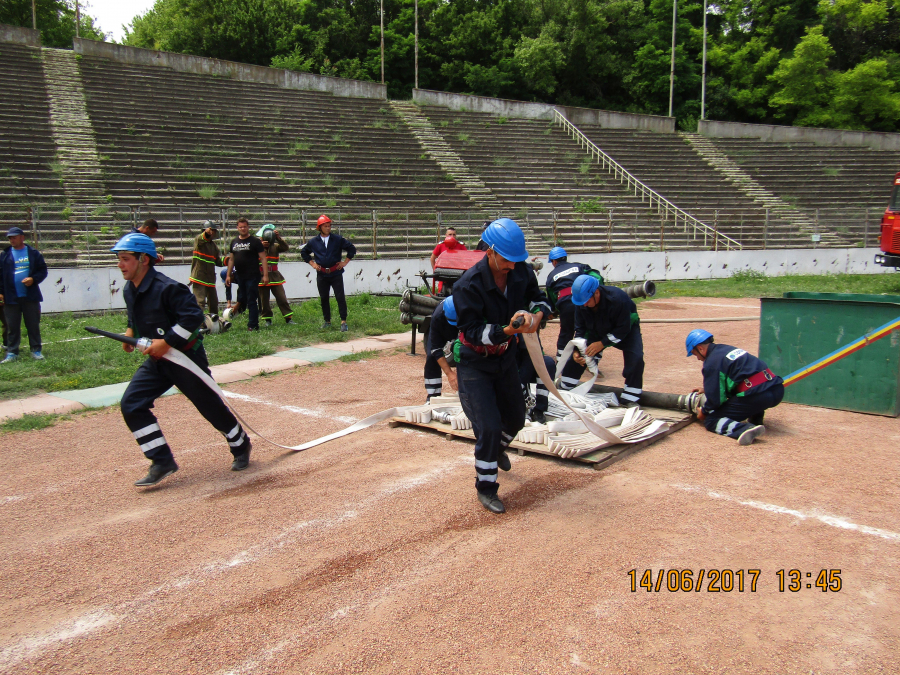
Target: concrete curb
(61,402)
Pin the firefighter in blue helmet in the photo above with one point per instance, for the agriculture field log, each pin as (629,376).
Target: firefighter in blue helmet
(559,292)
(489,297)
(441,333)
(738,386)
(606,317)
(165,311)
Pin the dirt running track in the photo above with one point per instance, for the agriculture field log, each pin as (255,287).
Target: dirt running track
(371,554)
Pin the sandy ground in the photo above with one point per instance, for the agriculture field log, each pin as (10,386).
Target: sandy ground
(371,554)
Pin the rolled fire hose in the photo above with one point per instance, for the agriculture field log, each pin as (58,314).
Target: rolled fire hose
(591,362)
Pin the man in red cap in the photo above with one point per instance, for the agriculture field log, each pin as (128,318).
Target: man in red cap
(450,243)
(327,248)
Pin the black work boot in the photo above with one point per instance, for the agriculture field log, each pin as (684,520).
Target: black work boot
(158,471)
(503,461)
(241,461)
(491,502)
(758,418)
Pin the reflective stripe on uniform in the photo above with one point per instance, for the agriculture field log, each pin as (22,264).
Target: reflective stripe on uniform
(481,464)
(181,331)
(613,338)
(721,424)
(486,335)
(146,431)
(155,443)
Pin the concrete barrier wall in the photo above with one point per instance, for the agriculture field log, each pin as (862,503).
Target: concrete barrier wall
(69,290)
(20,36)
(185,63)
(782,134)
(544,111)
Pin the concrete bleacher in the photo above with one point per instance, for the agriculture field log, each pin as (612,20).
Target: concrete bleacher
(27,150)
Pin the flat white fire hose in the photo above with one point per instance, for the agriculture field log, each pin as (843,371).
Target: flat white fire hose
(179,358)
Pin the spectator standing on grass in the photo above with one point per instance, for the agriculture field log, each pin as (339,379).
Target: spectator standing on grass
(203,267)
(275,246)
(248,256)
(22,269)
(327,249)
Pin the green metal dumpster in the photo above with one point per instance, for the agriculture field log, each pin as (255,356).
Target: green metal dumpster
(799,328)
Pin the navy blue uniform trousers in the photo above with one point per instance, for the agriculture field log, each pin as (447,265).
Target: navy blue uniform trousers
(493,403)
(566,310)
(325,284)
(151,381)
(633,371)
(528,375)
(727,419)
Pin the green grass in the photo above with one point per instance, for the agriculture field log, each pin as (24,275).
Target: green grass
(747,284)
(91,363)
(359,356)
(31,422)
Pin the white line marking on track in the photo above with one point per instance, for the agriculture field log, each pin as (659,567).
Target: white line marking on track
(64,631)
(833,521)
(291,408)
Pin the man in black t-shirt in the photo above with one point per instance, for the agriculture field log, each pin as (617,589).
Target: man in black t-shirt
(248,257)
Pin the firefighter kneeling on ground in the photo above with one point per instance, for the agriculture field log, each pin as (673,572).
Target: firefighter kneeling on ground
(165,311)
(441,332)
(737,385)
(489,298)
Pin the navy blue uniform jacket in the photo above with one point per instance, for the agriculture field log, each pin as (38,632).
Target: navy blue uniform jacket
(563,276)
(163,308)
(327,257)
(37,270)
(440,333)
(483,311)
(724,369)
(615,314)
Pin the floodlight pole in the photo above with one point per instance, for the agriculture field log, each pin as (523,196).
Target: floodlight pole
(672,67)
(33,15)
(77,18)
(703,80)
(382,41)
(417,44)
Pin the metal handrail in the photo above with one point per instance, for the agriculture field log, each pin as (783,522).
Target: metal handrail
(655,199)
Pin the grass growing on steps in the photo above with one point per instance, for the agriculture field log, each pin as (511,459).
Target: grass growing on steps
(756,285)
(81,364)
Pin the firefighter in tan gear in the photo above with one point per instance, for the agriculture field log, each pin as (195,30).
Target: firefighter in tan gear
(203,268)
(275,246)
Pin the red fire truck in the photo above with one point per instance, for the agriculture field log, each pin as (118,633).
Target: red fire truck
(890,230)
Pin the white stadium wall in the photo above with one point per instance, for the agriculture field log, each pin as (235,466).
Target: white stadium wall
(75,290)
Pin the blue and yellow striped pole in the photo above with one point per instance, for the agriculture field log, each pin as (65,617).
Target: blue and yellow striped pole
(838,354)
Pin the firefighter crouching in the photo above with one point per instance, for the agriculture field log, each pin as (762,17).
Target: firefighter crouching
(488,298)
(441,331)
(738,386)
(275,246)
(607,317)
(164,310)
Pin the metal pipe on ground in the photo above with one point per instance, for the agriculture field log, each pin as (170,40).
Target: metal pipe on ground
(684,402)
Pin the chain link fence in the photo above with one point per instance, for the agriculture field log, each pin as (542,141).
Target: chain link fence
(81,236)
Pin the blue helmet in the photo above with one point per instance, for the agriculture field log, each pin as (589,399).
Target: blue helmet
(696,337)
(583,288)
(556,253)
(506,238)
(450,310)
(135,242)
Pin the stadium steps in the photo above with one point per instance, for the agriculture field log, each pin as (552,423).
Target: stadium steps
(76,147)
(438,149)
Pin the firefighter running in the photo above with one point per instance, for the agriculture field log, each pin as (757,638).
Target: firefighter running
(488,298)
(738,387)
(164,310)
(606,317)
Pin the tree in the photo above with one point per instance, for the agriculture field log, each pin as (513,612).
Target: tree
(55,20)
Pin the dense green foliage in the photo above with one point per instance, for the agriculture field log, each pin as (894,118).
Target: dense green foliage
(833,63)
(55,20)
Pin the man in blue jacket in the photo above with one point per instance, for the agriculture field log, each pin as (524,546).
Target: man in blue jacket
(490,297)
(327,250)
(606,317)
(738,386)
(559,292)
(441,331)
(22,269)
(165,311)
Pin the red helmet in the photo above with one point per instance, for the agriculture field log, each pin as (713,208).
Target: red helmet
(323,219)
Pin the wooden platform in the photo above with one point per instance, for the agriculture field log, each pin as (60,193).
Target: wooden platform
(599,459)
